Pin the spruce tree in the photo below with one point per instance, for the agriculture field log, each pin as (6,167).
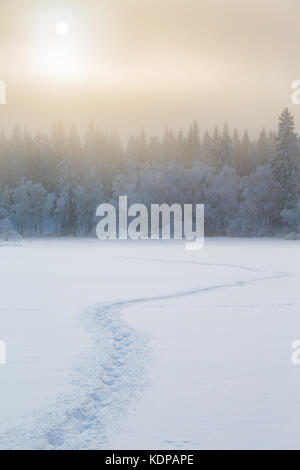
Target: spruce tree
(225,154)
(285,164)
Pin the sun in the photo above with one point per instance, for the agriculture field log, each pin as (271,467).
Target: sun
(62,28)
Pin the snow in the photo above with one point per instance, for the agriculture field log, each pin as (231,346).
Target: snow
(125,345)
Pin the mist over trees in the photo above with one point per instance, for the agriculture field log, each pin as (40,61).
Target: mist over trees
(51,184)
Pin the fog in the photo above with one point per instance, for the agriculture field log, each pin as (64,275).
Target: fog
(144,64)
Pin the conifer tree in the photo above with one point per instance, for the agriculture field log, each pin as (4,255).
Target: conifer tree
(285,164)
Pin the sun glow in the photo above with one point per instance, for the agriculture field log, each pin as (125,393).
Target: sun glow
(62,64)
(62,28)
(59,55)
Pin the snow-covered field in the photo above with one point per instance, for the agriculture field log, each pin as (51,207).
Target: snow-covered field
(142,345)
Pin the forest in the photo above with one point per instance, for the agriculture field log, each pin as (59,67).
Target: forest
(52,183)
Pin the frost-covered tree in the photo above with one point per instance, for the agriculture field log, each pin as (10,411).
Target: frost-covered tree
(285,164)
(265,147)
(193,146)
(7,231)
(245,162)
(223,151)
(28,202)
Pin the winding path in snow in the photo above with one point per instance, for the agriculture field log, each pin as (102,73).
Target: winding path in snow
(113,376)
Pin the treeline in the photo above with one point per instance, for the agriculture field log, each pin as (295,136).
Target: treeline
(51,184)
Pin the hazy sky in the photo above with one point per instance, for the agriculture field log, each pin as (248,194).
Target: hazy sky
(146,63)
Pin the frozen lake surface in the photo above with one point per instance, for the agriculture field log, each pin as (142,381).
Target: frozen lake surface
(142,345)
